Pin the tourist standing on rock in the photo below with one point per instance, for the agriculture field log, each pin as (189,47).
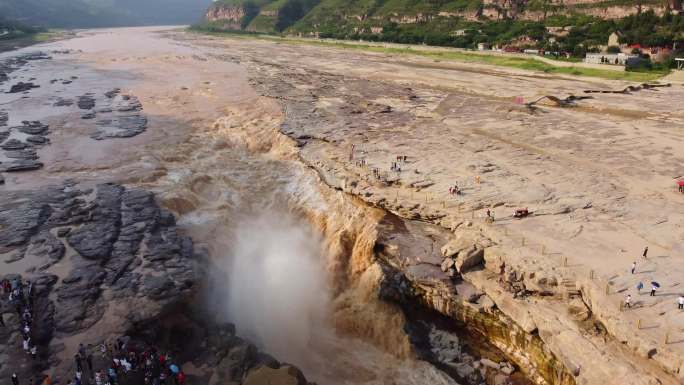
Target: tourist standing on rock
(628,301)
(680,302)
(633,267)
(27,343)
(645,252)
(15,379)
(639,286)
(2,321)
(89,362)
(653,290)
(181,378)
(111,373)
(79,362)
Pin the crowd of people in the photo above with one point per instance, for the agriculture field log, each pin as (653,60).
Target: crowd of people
(120,362)
(655,286)
(123,362)
(20,295)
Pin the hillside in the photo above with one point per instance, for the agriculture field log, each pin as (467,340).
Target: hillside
(348,17)
(102,13)
(561,26)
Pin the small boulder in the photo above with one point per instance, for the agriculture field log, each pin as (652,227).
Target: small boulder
(447,264)
(490,364)
(469,258)
(507,368)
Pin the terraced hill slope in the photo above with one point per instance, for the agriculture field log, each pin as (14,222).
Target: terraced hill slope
(318,16)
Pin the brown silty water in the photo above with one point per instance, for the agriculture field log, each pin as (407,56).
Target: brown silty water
(296,257)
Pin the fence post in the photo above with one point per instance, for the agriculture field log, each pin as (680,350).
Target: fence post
(607,289)
(565,261)
(639,324)
(523,241)
(591,274)
(667,337)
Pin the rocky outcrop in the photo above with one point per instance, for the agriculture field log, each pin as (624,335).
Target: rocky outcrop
(230,17)
(92,251)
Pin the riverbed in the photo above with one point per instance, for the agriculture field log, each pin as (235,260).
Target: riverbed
(312,175)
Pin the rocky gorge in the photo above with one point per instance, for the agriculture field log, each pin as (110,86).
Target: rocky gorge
(138,234)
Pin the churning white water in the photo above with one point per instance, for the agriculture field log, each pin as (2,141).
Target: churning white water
(277,292)
(277,295)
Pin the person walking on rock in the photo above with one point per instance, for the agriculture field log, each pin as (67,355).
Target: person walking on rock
(633,267)
(680,302)
(15,379)
(639,286)
(645,252)
(2,321)
(27,344)
(79,362)
(653,290)
(89,362)
(628,301)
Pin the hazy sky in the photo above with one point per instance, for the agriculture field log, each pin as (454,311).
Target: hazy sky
(94,13)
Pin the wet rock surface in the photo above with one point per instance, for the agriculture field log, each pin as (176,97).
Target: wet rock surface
(87,252)
(107,114)
(224,357)
(108,264)
(22,87)
(119,116)
(23,155)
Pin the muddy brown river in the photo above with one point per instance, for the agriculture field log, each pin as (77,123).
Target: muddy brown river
(243,196)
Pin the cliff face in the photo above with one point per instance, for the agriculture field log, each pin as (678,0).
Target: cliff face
(230,17)
(313,17)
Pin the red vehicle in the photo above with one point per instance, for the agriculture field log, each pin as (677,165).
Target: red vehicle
(521,213)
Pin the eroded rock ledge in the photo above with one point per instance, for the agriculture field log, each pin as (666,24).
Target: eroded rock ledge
(106,262)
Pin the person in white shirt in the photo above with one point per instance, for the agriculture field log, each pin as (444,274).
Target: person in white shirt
(681,302)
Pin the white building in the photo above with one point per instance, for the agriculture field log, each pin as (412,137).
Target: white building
(608,58)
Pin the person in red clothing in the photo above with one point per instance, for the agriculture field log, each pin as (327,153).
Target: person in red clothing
(181,378)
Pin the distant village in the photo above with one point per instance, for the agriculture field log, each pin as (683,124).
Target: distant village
(612,53)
